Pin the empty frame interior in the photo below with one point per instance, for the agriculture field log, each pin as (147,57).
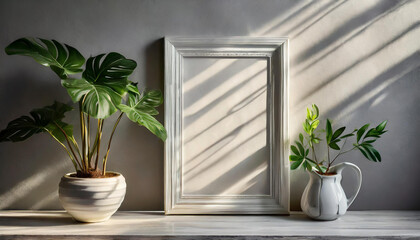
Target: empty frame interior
(225,118)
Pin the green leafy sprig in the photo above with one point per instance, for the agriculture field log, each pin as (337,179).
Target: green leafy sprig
(306,144)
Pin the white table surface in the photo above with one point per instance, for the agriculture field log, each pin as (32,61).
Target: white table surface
(155,225)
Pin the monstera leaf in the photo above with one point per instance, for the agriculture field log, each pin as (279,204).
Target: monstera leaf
(103,84)
(112,72)
(99,101)
(140,109)
(62,59)
(147,102)
(46,119)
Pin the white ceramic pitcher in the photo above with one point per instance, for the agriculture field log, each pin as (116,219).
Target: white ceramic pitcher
(324,198)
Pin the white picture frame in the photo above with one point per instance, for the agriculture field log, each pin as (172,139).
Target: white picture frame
(182,52)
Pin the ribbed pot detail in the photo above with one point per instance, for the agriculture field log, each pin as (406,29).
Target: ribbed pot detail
(91,199)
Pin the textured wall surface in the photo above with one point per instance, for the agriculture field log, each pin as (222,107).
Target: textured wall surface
(358,60)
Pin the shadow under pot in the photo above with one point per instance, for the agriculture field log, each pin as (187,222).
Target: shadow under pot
(324,197)
(91,199)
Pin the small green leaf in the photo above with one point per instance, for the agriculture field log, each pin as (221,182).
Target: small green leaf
(311,164)
(347,135)
(301,137)
(338,132)
(308,114)
(381,126)
(315,124)
(361,131)
(304,164)
(334,145)
(307,152)
(301,149)
(307,126)
(369,154)
(316,110)
(363,152)
(376,153)
(328,130)
(372,133)
(295,158)
(372,152)
(295,165)
(304,127)
(366,144)
(294,150)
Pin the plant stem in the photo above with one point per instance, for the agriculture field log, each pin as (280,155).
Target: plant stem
(82,133)
(328,157)
(77,147)
(85,153)
(340,153)
(67,139)
(99,136)
(93,150)
(88,140)
(65,148)
(317,163)
(109,144)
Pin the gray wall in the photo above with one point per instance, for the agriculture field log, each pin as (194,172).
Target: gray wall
(358,60)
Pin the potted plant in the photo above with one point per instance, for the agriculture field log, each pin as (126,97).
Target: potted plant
(101,89)
(323,197)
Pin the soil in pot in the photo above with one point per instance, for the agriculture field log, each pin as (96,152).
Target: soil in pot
(327,174)
(93,174)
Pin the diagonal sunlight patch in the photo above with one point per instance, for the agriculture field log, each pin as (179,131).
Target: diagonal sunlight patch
(202,121)
(40,204)
(26,186)
(247,181)
(348,38)
(364,13)
(281,20)
(353,105)
(195,157)
(217,66)
(213,92)
(222,102)
(224,162)
(323,12)
(360,60)
(362,67)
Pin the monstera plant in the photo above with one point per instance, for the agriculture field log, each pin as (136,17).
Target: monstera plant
(100,89)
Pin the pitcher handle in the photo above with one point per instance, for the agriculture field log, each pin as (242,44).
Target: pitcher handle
(339,168)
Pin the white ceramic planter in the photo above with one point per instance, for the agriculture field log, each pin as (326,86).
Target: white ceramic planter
(91,199)
(324,198)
